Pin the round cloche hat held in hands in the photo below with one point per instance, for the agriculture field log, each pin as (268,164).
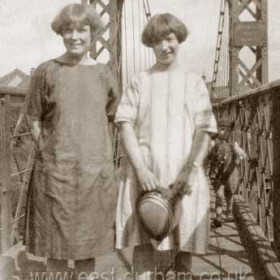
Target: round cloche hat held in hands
(155,214)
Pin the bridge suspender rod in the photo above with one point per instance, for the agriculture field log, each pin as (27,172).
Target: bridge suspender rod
(218,46)
(147,8)
(146,55)
(133,36)
(125,44)
(225,56)
(139,30)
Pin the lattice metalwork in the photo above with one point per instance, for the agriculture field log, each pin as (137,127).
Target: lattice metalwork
(248,44)
(17,157)
(107,47)
(254,130)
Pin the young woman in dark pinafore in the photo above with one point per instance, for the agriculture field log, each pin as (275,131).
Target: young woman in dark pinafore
(72,196)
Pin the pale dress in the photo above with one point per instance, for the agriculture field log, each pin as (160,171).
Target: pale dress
(165,108)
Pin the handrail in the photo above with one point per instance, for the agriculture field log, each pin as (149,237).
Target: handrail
(253,92)
(13,91)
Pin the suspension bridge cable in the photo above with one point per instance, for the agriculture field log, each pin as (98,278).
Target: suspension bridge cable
(139,30)
(218,47)
(221,53)
(126,44)
(147,12)
(147,9)
(221,75)
(133,36)
(148,16)
(226,40)
(145,49)
(225,68)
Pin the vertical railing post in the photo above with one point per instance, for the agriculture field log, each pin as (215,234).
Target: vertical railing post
(276,165)
(5,178)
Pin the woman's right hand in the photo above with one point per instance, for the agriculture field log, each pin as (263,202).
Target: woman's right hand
(36,132)
(147,179)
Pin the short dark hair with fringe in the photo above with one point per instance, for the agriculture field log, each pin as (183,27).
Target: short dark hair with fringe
(77,15)
(160,26)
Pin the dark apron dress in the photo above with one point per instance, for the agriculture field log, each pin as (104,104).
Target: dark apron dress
(72,194)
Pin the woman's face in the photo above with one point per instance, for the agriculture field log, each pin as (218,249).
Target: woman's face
(77,40)
(167,49)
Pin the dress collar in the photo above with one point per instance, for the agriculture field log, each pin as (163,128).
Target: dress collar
(64,60)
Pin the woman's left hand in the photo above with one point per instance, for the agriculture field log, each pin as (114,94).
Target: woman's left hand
(185,182)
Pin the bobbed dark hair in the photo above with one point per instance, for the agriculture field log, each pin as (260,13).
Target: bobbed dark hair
(161,25)
(77,15)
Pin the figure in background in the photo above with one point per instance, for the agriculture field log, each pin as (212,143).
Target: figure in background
(165,118)
(223,159)
(73,193)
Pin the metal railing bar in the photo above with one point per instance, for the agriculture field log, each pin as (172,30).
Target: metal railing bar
(21,172)
(17,219)
(22,191)
(21,134)
(17,164)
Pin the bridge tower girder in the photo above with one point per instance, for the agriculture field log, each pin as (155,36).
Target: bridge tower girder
(253,35)
(108,42)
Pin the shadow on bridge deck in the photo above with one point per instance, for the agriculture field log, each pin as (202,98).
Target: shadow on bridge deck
(228,258)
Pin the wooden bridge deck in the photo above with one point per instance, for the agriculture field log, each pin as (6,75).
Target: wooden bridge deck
(228,258)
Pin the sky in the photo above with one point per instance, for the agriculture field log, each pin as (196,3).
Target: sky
(27,38)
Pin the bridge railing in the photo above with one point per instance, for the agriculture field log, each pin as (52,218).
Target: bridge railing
(256,116)
(16,160)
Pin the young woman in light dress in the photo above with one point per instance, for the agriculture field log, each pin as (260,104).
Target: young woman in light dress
(165,118)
